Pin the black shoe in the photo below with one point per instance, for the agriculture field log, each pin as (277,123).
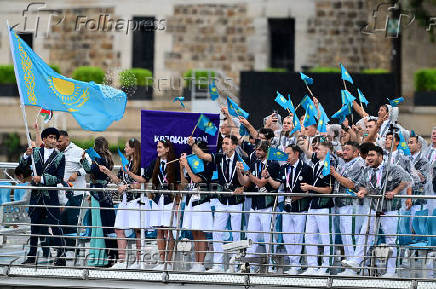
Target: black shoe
(29,260)
(60,261)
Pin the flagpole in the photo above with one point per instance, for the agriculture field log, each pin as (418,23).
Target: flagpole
(310,91)
(23,109)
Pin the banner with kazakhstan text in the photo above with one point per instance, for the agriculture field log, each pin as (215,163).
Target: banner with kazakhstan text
(94,106)
(175,127)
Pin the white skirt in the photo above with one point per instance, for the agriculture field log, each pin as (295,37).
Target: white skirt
(160,215)
(198,217)
(137,217)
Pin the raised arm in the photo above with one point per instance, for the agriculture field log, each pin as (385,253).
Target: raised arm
(198,151)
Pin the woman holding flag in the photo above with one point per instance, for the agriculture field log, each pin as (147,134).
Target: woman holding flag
(195,175)
(132,213)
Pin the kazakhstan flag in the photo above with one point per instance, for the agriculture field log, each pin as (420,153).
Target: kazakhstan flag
(196,164)
(276,155)
(94,106)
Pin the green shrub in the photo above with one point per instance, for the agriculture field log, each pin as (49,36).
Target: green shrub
(136,76)
(425,80)
(55,68)
(324,69)
(374,70)
(199,74)
(7,74)
(88,73)
(276,69)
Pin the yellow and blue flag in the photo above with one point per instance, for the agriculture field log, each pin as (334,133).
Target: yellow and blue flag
(213,91)
(124,161)
(322,111)
(309,106)
(326,167)
(206,125)
(290,104)
(342,113)
(345,75)
(235,110)
(322,122)
(94,106)
(403,144)
(92,153)
(181,99)
(309,119)
(347,98)
(396,102)
(243,131)
(297,124)
(195,163)
(276,155)
(281,100)
(246,167)
(307,80)
(362,98)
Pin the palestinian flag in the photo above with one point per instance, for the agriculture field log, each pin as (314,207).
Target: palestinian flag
(46,114)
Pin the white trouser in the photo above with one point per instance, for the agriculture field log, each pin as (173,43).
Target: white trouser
(389,225)
(259,222)
(346,229)
(319,227)
(294,223)
(222,213)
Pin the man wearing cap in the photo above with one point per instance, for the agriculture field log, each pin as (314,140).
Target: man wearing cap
(50,168)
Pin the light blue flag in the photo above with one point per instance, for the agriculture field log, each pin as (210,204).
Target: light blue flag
(396,102)
(290,104)
(326,168)
(206,125)
(362,98)
(297,124)
(94,106)
(322,123)
(308,105)
(213,91)
(92,153)
(276,155)
(124,161)
(181,99)
(345,75)
(281,100)
(214,176)
(322,111)
(243,130)
(307,80)
(235,110)
(403,144)
(309,119)
(347,97)
(246,167)
(195,163)
(341,114)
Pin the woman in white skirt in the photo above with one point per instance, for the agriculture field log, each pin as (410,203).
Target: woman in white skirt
(198,214)
(132,213)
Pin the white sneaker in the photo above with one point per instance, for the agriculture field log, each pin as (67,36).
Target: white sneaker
(310,271)
(389,275)
(197,267)
(215,269)
(292,271)
(135,266)
(322,272)
(347,272)
(159,267)
(119,265)
(350,264)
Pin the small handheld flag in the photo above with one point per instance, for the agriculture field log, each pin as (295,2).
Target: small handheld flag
(309,119)
(308,105)
(396,102)
(92,153)
(181,99)
(326,168)
(403,144)
(341,114)
(235,110)
(47,114)
(276,155)
(322,123)
(206,125)
(243,131)
(347,97)
(124,161)
(307,80)
(246,167)
(213,91)
(195,163)
(290,104)
(362,98)
(281,100)
(297,124)
(345,75)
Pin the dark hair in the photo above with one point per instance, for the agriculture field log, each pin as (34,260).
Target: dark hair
(267,132)
(23,170)
(49,131)
(101,146)
(295,149)
(171,168)
(326,144)
(233,138)
(415,137)
(377,149)
(372,119)
(263,145)
(396,137)
(353,144)
(63,133)
(365,147)
(136,145)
